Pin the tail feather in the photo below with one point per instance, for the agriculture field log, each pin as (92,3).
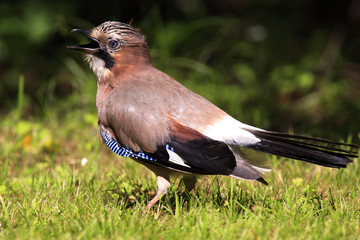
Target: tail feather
(309,149)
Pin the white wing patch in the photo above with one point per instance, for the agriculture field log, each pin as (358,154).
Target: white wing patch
(176,159)
(231,131)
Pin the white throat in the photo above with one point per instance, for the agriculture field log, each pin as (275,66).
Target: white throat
(98,67)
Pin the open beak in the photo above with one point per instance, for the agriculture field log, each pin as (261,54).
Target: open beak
(90,48)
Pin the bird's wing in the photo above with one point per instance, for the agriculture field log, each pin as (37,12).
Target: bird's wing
(198,155)
(170,122)
(188,151)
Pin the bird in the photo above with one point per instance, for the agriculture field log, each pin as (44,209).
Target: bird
(147,115)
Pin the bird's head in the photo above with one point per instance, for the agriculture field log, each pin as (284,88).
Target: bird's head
(113,45)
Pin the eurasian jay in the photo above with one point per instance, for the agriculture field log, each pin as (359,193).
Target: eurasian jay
(147,115)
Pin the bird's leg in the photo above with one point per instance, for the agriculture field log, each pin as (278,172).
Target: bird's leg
(189,182)
(163,185)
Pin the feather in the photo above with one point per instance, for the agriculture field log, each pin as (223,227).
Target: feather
(309,149)
(213,157)
(209,155)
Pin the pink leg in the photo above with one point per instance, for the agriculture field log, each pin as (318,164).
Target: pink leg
(154,200)
(163,185)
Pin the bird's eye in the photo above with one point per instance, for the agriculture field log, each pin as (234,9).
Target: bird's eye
(114,44)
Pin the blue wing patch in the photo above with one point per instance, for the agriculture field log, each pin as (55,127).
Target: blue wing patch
(123,151)
(172,159)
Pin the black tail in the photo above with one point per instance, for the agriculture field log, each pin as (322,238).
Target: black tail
(309,149)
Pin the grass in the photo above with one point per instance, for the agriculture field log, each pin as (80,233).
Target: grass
(59,181)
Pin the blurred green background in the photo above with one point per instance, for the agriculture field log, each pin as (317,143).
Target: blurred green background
(280,65)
